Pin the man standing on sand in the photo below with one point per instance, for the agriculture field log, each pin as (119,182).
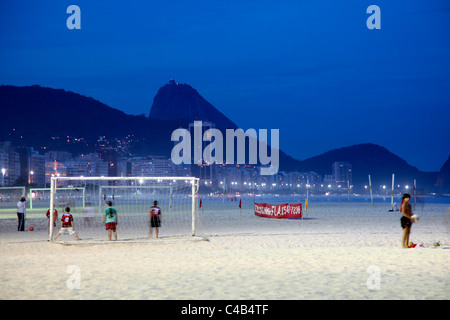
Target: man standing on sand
(67,224)
(406,220)
(110,219)
(155,218)
(21,214)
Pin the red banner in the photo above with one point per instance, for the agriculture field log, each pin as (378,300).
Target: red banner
(279,211)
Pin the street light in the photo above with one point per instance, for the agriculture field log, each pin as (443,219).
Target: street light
(3,176)
(30,178)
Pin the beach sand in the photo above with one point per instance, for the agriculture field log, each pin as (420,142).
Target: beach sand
(339,251)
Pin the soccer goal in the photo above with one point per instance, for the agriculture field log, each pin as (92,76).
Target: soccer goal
(9,196)
(132,197)
(70,196)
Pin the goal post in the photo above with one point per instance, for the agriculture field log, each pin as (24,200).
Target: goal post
(132,197)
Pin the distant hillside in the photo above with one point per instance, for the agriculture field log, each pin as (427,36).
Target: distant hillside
(57,120)
(34,116)
(37,116)
(443,182)
(181,101)
(370,159)
(45,111)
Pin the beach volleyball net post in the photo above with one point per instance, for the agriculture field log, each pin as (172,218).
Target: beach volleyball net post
(132,197)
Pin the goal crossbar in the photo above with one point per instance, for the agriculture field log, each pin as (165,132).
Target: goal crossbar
(54,180)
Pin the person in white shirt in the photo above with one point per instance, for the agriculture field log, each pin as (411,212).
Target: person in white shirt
(21,214)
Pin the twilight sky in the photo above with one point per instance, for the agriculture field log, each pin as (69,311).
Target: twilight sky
(309,68)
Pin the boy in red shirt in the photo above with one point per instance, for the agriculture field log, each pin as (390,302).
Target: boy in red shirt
(55,217)
(67,224)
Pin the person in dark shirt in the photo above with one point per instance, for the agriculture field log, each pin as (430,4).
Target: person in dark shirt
(406,220)
(155,218)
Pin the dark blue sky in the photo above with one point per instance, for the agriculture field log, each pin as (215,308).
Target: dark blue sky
(309,68)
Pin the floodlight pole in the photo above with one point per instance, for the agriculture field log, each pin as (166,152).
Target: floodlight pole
(370,188)
(52,207)
(3,177)
(392,193)
(193,207)
(195,184)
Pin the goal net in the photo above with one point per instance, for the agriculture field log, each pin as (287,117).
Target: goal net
(132,197)
(74,197)
(9,196)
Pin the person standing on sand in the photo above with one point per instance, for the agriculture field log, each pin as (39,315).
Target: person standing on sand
(406,220)
(110,220)
(88,215)
(21,214)
(155,218)
(67,224)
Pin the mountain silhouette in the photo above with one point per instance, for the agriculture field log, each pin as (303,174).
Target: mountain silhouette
(181,101)
(55,119)
(42,117)
(443,181)
(371,159)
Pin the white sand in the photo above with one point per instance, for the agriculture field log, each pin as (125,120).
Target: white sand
(331,255)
